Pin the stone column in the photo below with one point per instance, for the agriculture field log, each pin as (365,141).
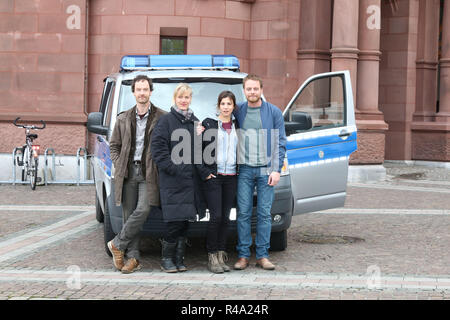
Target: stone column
(427,61)
(369,58)
(344,52)
(431,130)
(444,97)
(369,119)
(313,52)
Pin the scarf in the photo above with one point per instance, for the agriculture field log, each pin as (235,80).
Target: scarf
(186,113)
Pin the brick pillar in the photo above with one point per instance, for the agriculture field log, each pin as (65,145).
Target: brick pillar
(431,129)
(427,61)
(344,52)
(369,119)
(444,107)
(313,52)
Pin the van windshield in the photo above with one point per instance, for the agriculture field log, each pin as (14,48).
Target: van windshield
(204,96)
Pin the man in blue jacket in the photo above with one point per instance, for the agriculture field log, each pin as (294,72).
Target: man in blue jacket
(261,152)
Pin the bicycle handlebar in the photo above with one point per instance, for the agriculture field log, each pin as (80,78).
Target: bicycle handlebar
(27,126)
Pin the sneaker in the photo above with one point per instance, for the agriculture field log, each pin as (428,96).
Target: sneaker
(118,255)
(265,264)
(131,266)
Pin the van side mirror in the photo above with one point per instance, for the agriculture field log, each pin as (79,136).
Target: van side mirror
(95,123)
(297,121)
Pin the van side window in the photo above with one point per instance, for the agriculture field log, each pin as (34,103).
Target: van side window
(109,106)
(105,97)
(320,105)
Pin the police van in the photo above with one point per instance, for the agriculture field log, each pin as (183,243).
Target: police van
(319,122)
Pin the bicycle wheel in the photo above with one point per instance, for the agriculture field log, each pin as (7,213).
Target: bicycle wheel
(33,170)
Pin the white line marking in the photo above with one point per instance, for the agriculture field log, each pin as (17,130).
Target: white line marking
(45,208)
(396,187)
(386,211)
(251,279)
(47,235)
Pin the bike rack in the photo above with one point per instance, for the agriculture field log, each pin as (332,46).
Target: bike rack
(78,180)
(14,164)
(46,165)
(85,166)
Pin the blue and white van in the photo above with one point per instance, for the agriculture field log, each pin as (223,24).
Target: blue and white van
(320,128)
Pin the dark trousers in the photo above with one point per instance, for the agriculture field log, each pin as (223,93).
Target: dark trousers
(175,230)
(220,194)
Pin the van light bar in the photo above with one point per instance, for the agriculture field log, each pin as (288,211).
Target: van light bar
(195,61)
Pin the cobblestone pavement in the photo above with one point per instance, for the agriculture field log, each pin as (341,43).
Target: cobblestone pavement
(390,241)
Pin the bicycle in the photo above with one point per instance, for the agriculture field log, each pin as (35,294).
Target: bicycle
(30,153)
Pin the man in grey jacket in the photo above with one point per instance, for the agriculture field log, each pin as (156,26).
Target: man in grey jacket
(135,176)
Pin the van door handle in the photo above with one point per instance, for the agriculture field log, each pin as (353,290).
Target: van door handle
(344,133)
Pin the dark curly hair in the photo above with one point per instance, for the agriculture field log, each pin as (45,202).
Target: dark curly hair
(142,77)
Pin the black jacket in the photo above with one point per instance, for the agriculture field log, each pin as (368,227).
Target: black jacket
(179,179)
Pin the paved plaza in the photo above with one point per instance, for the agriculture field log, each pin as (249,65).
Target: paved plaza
(390,241)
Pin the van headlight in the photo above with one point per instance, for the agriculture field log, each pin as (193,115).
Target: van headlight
(285,169)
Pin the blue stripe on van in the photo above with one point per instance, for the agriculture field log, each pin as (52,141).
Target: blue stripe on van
(309,150)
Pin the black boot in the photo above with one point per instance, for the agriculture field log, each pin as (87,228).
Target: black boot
(179,254)
(167,255)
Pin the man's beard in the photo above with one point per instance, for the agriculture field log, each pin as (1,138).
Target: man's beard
(253,99)
(143,100)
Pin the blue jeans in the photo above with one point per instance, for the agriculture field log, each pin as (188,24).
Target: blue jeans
(248,178)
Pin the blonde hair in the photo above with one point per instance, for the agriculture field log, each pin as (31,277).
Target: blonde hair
(180,89)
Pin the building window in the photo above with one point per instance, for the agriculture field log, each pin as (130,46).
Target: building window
(173,45)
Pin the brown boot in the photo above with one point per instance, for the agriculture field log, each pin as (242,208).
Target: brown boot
(117,256)
(213,263)
(222,257)
(131,266)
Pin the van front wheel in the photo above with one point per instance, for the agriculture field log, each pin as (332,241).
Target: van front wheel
(108,233)
(278,241)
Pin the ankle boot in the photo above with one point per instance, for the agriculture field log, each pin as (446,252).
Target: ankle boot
(222,257)
(167,255)
(179,254)
(213,263)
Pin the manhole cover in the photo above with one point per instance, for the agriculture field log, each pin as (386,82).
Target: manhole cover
(326,239)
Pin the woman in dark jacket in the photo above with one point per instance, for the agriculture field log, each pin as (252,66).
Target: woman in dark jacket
(219,158)
(172,148)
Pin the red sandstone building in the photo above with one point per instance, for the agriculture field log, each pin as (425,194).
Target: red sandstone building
(54,55)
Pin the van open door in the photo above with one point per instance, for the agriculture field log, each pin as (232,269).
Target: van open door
(321,135)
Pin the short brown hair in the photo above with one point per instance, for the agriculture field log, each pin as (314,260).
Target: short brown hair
(226,94)
(142,77)
(253,77)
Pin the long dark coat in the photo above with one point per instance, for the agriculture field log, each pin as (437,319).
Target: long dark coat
(180,183)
